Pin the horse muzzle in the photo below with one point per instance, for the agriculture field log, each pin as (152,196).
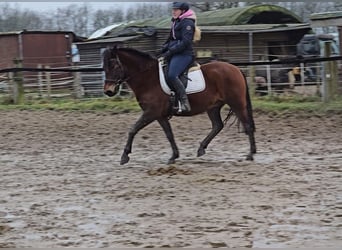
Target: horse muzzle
(110,89)
(109,93)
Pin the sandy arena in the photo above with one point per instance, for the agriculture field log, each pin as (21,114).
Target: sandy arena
(61,184)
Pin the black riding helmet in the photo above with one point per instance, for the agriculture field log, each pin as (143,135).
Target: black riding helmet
(181,6)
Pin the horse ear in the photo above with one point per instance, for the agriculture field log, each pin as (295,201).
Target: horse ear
(114,49)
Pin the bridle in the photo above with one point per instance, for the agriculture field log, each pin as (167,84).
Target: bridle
(122,73)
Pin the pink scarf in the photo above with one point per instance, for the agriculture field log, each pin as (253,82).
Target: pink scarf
(187,14)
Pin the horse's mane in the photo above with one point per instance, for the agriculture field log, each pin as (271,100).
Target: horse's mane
(109,53)
(138,52)
(106,55)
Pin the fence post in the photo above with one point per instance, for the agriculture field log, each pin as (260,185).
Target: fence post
(302,73)
(334,78)
(269,80)
(18,88)
(48,82)
(252,85)
(13,87)
(330,81)
(40,81)
(77,85)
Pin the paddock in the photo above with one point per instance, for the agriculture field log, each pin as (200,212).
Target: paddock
(62,186)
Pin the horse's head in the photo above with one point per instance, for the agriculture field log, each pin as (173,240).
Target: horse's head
(124,64)
(114,71)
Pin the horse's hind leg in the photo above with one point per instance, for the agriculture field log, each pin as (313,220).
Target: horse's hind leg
(250,132)
(247,123)
(165,124)
(217,125)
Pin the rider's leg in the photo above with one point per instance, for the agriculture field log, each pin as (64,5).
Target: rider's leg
(181,94)
(177,65)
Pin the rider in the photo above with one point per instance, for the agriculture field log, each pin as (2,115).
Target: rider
(178,50)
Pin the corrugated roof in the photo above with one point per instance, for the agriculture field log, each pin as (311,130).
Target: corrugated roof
(33,32)
(104,31)
(111,39)
(255,28)
(50,32)
(255,14)
(326,15)
(244,15)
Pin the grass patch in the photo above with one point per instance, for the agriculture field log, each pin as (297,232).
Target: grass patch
(269,104)
(310,105)
(114,105)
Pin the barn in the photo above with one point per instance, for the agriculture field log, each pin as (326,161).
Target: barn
(333,19)
(327,19)
(259,32)
(51,48)
(33,49)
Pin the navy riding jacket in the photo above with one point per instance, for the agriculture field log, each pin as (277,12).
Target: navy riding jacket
(181,37)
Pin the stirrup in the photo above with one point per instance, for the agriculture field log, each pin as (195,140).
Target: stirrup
(180,110)
(182,107)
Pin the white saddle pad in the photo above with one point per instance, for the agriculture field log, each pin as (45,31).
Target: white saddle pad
(196,81)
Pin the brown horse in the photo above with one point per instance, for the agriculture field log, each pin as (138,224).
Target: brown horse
(225,84)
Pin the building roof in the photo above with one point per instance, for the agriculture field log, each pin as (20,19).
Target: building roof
(326,19)
(50,32)
(33,32)
(255,28)
(111,40)
(254,14)
(248,15)
(326,15)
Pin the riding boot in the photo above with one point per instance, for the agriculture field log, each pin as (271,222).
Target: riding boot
(181,94)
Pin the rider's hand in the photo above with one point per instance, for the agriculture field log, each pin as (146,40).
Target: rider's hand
(166,55)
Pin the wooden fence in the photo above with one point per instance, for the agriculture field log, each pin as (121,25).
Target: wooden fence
(20,84)
(290,76)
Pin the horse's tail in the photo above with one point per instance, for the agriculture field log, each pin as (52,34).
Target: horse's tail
(249,105)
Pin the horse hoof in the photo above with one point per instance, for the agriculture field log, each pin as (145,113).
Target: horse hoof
(171,161)
(249,158)
(200,152)
(124,159)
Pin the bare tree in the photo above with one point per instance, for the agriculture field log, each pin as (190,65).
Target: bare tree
(18,19)
(82,20)
(130,14)
(74,18)
(104,18)
(147,10)
(202,6)
(117,16)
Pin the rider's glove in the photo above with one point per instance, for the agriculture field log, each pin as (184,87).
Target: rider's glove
(166,55)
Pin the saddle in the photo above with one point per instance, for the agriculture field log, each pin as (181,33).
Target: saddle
(184,75)
(174,106)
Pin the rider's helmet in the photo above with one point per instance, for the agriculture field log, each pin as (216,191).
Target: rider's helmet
(180,5)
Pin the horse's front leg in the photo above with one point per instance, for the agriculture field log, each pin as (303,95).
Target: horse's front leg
(165,124)
(142,122)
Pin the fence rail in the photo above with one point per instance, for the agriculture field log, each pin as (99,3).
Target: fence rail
(314,76)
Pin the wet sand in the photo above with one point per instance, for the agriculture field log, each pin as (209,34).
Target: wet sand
(61,184)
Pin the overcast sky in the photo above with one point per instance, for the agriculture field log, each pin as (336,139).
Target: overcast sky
(45,6)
